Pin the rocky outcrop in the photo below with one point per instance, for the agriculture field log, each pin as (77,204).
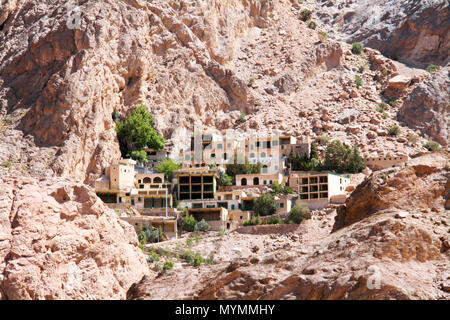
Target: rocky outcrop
(427,108)
(424,180)
(59,241)
(413,32)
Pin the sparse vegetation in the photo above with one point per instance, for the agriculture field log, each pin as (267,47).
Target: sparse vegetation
(342,158)
(432,68)
(393,102)
(7,164)
(385,72)
(324,139)
(394,131)
(357,48)
(305,14)
(150,235)
(312,25)
(432,146)
(412,138)
(189,223)
(251,81)
(382,107)
(358,81)
(168,265)
(152,256)
(242,168)
(323,36)
(361,68)
(241,118)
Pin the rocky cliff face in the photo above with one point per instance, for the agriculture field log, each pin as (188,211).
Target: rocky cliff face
(59,241)
(427,108)
(390,242)
(413,32)
(66,66)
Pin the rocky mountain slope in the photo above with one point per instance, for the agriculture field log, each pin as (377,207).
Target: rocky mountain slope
(59,241)
(390,241)
(66,66)
(413,32)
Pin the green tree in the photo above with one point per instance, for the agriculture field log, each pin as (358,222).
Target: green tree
(202,226)
(265,205)
(137,132)
(167,166)
(225,180)
(139,155)
(242,168)
(336,156)
(355,162)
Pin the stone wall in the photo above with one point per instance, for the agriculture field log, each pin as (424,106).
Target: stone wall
(268,229)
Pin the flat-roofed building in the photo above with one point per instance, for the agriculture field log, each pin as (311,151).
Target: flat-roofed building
(385,161)
(215,217)
(117,181)
(196,184)
(318,188)
(167,225)
(154,157)
(258,179)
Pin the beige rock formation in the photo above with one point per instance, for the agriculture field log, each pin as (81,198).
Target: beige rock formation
(59,241)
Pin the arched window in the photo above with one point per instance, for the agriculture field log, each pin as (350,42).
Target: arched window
(244,182)
(147,180)
(256,181)
(264,169)
(157,180)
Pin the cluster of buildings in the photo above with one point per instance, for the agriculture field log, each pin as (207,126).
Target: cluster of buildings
(195,186)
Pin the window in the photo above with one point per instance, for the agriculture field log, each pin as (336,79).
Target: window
(229,145)
(141,186)
(282,147)
(275,143)
(270,181)
(276,168)
(139,199)
(265,182)
(132,202)
(252,155)
(257,144)
(219,146)
(232,207)
(241,217)
(225,156)
(263,154)
(281,205)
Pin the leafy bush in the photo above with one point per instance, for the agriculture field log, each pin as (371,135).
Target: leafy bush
(168,265)
(198,260)
(252,222)
(299,212)
(152,256)
(305,14)
(394,131)
(265,205)
(275,220)
(188,255)
(167,166)
(385,115)
(357,48)
(225,180)
(358,81)
(432,146)
(202,226)
(189,223)
(393,102)
(312,25)
(150,235)
(361,68)
(241,118)
(432,68)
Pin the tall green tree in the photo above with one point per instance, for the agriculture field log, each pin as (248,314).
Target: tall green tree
(137,132)
(265,205)
(355,162)
(336,156)
(242,168)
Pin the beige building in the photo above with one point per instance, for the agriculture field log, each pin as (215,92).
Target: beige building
(258,179)
(167,225)
(386,161)
(318,188)
(217,218)
(196,184)
(117,181)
